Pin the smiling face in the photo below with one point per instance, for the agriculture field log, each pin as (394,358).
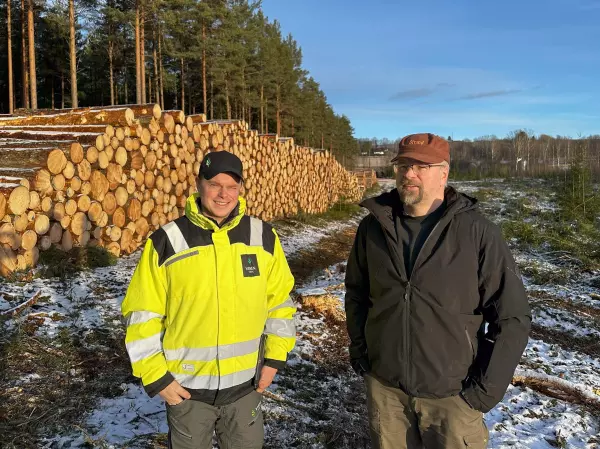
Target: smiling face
(219,195)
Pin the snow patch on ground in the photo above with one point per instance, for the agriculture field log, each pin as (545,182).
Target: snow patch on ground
(524,419)
(119,420)
(527,420)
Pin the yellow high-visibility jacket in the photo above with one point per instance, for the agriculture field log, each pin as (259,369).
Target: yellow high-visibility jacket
(204,301)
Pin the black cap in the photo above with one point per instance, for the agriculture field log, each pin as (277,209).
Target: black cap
(221,162)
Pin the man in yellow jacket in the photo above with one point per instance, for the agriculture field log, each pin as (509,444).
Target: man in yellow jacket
(209,316)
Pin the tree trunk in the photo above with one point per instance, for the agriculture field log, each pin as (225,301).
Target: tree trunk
(227,103)
(138,82)
(243,99)
(204,103)
(189,89)
(111,73)
(126,93)
(161,70)
(262,108)
(155,64)
(111,69)
(278,113)
(182,88)
(73,55)
(11,94)
(142,53)
(212,100)
(32,76)
(24,62)
(62,91)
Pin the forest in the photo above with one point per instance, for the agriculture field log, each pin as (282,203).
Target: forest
(224,58)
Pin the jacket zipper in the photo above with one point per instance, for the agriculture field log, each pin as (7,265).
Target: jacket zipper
(260,362)
(407,333)
(218,317)
(407,314)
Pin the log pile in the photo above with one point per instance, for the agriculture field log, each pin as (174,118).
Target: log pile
(366,178)
(110,177)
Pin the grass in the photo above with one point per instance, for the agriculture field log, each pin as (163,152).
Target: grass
(487,194)
(565,238)
(340,211)
(540,276)
(527,234)
(475,174)
(57,263)
(566,243)
(328,251)
(74,369)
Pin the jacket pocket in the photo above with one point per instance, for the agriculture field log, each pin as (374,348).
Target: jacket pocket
(471,325)
(478,440)
(178,416)
(470,340)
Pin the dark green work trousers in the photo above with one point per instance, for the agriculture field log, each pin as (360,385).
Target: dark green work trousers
(238,425)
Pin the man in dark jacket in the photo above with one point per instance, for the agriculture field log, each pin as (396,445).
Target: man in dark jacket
(436,310)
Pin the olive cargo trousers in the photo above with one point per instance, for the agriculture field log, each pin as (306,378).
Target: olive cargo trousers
(399,421)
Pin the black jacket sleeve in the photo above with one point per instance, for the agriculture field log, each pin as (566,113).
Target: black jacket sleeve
(159,385)
(506,310)
(357,299)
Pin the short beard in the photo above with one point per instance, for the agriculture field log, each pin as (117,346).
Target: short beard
(410,198)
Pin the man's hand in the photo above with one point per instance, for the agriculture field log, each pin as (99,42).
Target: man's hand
(174,393)
(266,378)
(361,366)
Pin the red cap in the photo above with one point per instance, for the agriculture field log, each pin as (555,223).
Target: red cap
(426,147)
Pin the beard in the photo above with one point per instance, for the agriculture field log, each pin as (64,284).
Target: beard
(410,196)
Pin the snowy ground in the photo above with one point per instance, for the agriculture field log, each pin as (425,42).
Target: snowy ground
(525,418)
(317,402)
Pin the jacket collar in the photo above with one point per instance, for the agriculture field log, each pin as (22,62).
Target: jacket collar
(194,214)
(383,206)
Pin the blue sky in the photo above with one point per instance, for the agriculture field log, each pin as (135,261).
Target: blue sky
(460,68)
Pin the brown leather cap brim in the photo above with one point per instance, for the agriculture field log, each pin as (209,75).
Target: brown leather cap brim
(418,157)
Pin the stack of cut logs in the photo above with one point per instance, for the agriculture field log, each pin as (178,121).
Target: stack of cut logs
(111,176)
(366,178)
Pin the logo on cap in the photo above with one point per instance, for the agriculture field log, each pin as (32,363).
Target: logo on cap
(208,162)
(416,142)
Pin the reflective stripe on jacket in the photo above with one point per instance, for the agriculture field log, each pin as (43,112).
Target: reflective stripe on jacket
(202,299)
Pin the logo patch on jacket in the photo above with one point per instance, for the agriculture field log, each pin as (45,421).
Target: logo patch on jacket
(250,265)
